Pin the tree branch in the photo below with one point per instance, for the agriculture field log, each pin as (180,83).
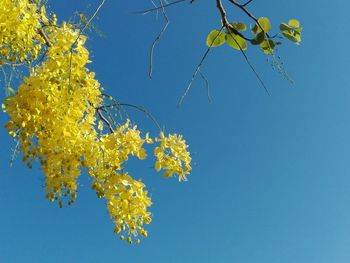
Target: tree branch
(45,37)
(145,12)
(104,119)
(248,13)
(198,70)
(157,39)
(139,108)
(226,23)
(247,3)
(41,31)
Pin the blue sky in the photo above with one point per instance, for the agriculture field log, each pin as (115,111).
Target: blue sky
(271,175)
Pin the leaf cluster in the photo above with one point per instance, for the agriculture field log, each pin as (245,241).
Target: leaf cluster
(260,35)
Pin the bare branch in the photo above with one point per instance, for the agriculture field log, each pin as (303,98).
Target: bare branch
(143,110)
(89,21)
(104,119)
(198,67)
(206,85)
(193,77)
(145,12)
(226,23)
(42,33)
(247,3)
(45,37)
(139,108)
(230,29)
(244,9)
(157,39)
(251,66)
(15,152)
(248,13)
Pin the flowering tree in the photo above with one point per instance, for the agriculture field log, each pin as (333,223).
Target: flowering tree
(62,118)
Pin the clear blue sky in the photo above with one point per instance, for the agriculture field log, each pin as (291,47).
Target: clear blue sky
(271,175)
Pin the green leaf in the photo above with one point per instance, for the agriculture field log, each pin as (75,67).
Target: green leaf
(298,30)
(294,23)
(239,26)
(255,29)
(267,46)
(236,42)
(292,31)
(284,27)
(265,24)
(259,38)
(216,38)
(292,36)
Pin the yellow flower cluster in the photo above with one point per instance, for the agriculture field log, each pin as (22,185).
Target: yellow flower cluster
(172,156)
(19,23)
(54,114)
(123,142)
(127,202)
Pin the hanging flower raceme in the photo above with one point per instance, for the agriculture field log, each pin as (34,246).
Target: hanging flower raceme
(127,202)
(124,141)
(53,113)
(173,156)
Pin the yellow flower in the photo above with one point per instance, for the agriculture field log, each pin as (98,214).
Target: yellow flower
(19,38)
(172,156)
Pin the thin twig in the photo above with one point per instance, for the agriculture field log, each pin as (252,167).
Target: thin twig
(45,37)
(206,85)
(81,31)
(247,3)
(141,109)
(249,14)
(15,152)
(193,77)
(230,30)
(148,114)
(244,9)
(89,21)
(226,23)
(104,119)
(157,39)
(251,66)
(197,69)
(41,31)
(5,80)
(145,12)
(115,104)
